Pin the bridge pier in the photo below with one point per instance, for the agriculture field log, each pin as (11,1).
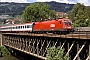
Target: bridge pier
(0,39)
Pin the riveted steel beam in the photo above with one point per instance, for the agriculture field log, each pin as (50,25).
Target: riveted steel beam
(79,50)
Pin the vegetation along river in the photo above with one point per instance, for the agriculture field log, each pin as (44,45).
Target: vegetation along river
(8,57)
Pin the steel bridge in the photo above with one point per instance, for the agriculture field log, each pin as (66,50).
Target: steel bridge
(76,45)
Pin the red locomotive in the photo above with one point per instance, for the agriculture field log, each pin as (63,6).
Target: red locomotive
(55,26)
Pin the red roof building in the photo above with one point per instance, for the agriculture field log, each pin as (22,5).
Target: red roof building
(61,14)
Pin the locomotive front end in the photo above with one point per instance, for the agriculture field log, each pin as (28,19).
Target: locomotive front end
(68,25)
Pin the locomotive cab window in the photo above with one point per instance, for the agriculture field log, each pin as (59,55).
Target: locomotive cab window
(67,22)
(60,22)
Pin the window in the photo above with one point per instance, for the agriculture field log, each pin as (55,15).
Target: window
(21,27)
(60,22)
(25,26)
(18,27)
(29,26)
(12,27)
(67,22)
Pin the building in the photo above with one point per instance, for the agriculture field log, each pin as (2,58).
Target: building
(61,14)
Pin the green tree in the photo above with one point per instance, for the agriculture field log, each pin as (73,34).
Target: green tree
(54,53)
(52,14)
(37,12)
(80,15)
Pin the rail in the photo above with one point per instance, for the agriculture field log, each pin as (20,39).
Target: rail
(76,34)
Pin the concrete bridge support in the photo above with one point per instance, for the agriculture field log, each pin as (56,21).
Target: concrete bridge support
(0,39)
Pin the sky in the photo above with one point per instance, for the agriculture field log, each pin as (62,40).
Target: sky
(85,2)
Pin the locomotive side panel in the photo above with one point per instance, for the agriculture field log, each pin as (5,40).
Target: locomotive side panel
(48,25)
(52,25)
(37,26)
(59,25)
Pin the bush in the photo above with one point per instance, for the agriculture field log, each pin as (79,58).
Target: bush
(54,53)
(4,51)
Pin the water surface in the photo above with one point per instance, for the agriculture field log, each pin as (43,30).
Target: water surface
(9,57)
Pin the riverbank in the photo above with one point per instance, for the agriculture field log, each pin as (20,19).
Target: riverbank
(8,57)
(5,54)
(4,51)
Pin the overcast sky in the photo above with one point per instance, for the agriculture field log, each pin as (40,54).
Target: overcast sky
(85,2)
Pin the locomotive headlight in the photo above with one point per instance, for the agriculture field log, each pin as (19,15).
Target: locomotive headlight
(64,26)
(69,27)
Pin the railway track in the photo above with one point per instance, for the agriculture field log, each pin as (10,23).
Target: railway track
(75,32)
(71,35)
(81,32)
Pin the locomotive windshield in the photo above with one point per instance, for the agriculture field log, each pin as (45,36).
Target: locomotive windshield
(67,22)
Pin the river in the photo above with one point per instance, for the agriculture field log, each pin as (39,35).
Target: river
(9,57)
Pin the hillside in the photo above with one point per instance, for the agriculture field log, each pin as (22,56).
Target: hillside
(13,9)
(60,7)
